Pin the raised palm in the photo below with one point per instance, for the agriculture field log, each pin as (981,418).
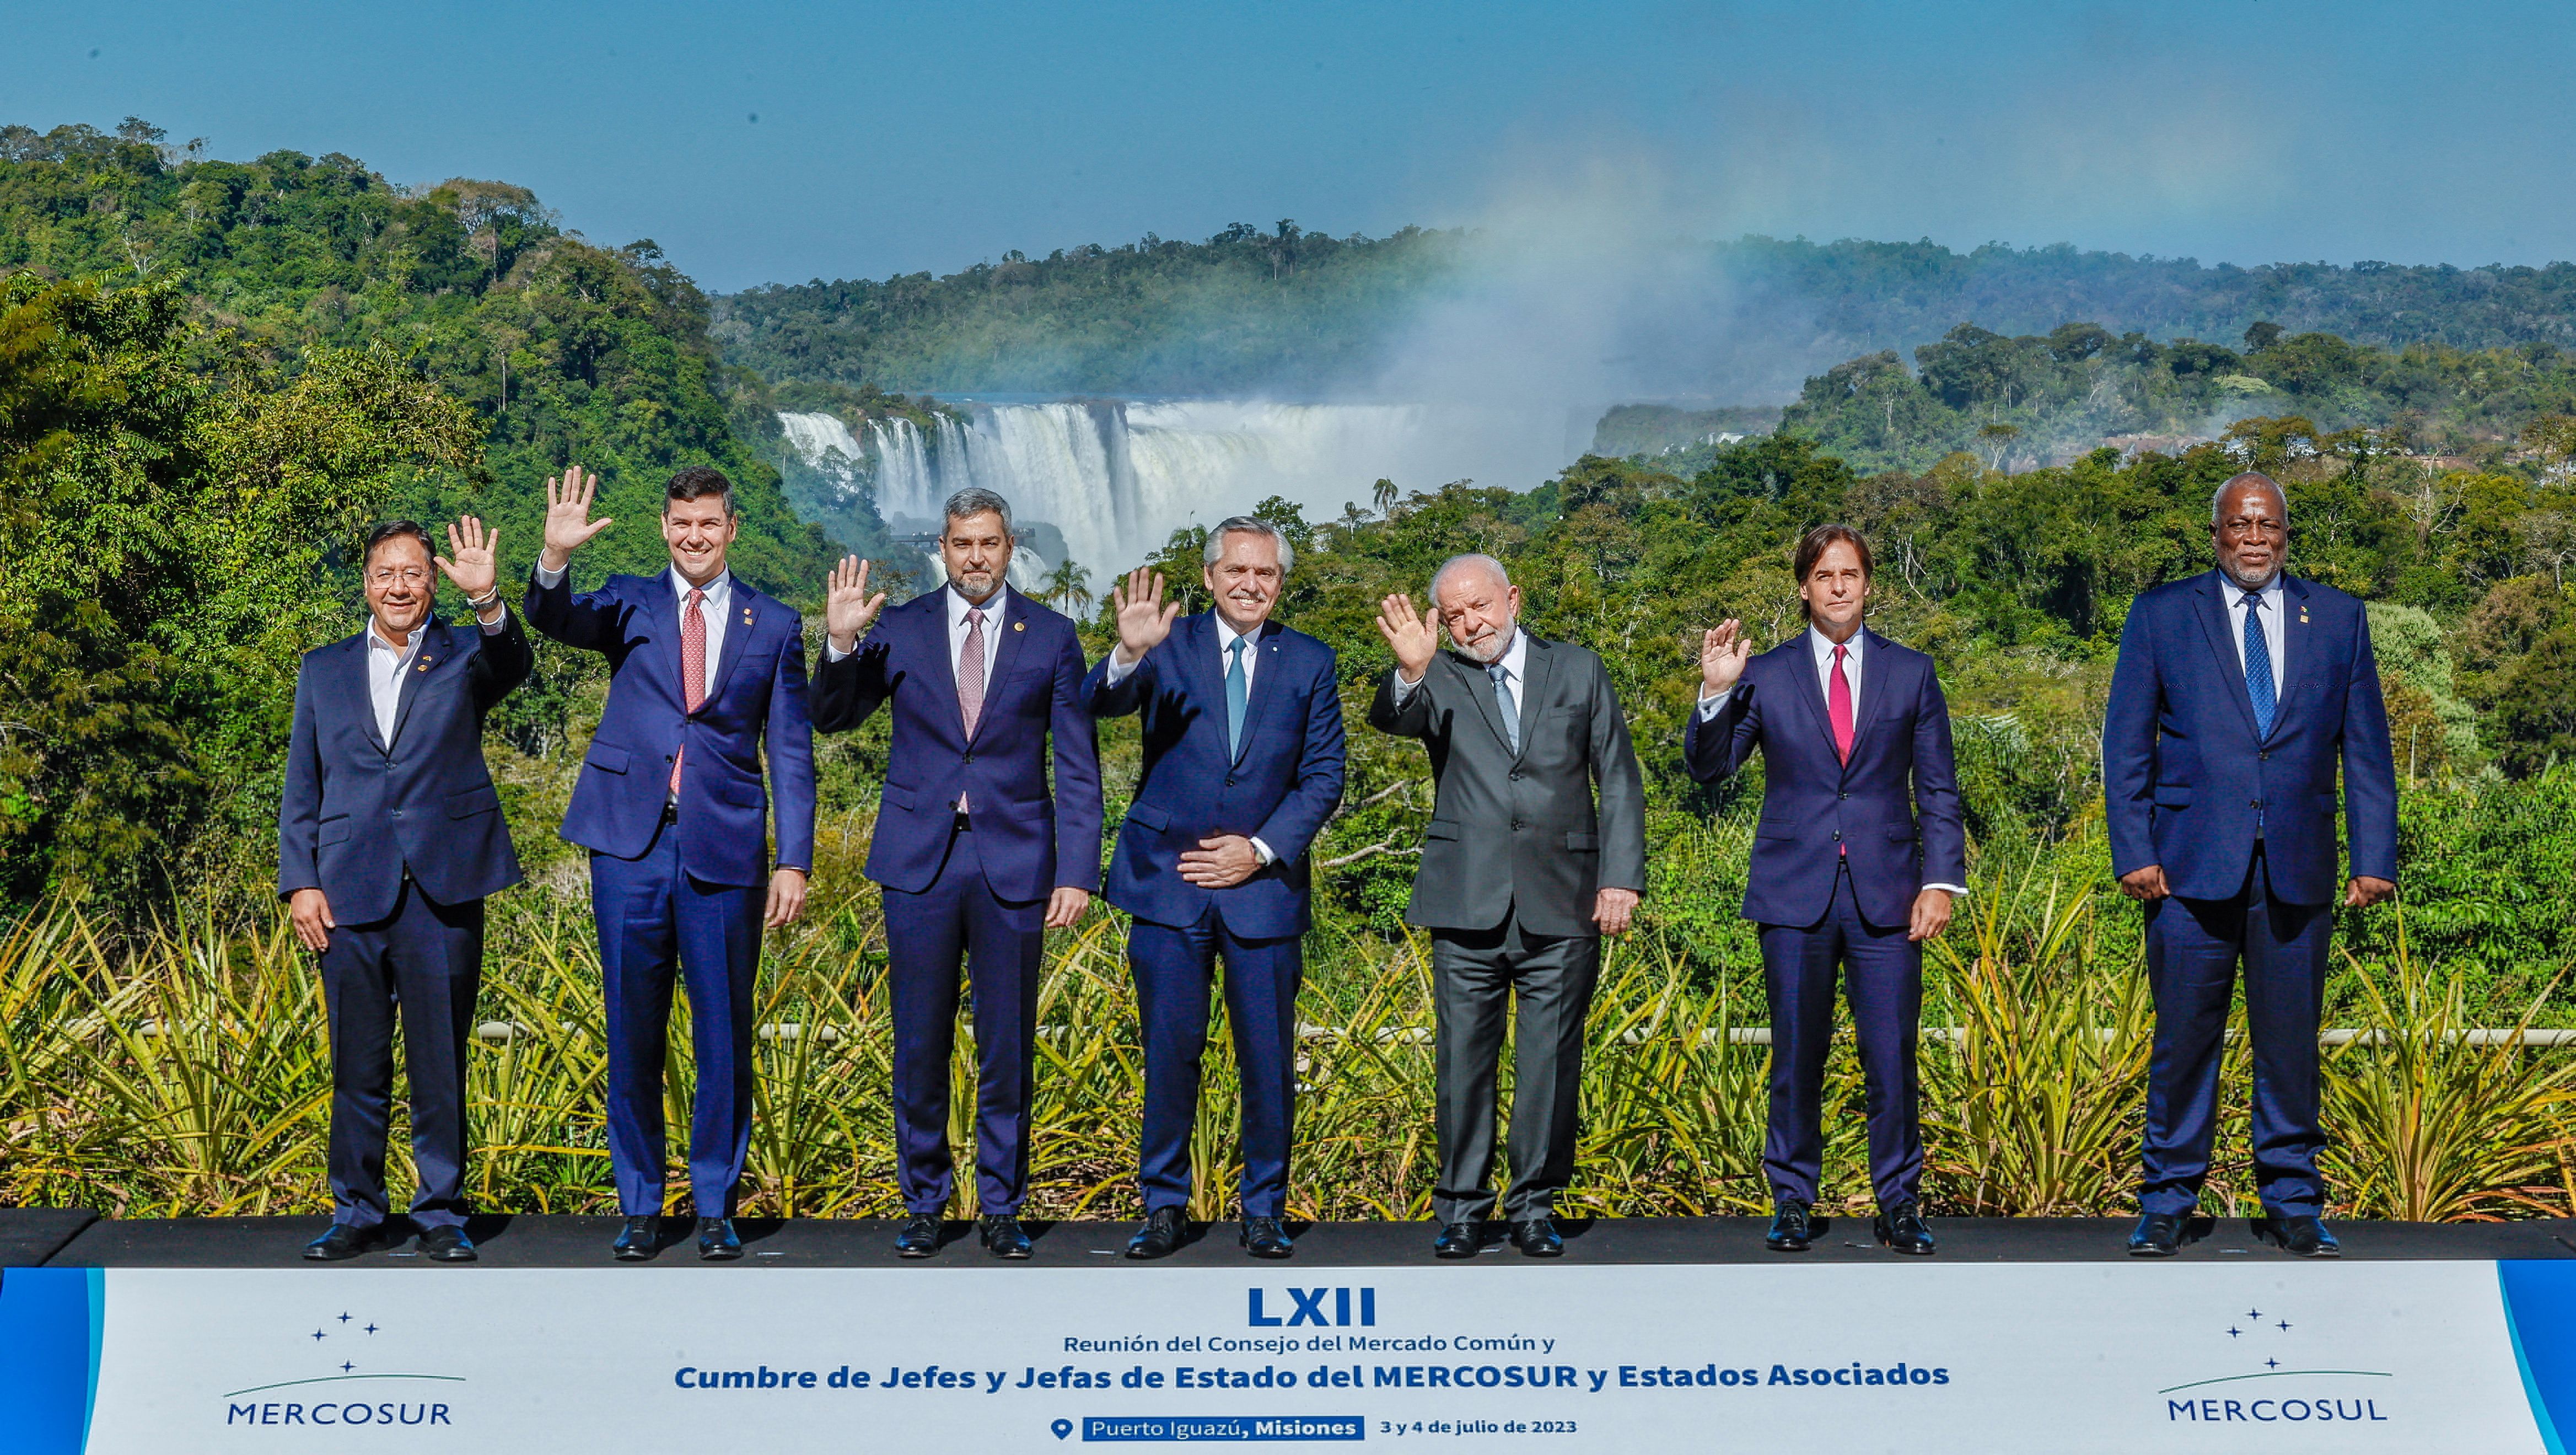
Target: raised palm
(1723,651)
(1413,636)
(1143,619)
(568,523)
(848,609)
(473,559)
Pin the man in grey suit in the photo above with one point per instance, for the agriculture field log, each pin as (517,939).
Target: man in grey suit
(1521,875)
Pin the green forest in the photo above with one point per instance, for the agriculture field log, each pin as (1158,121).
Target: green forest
(1295,310)
(216,374)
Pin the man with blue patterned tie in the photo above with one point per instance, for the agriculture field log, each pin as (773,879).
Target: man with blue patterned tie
(2238,696)
(1243,765)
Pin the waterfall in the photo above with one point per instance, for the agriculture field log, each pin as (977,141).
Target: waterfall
(1118,477)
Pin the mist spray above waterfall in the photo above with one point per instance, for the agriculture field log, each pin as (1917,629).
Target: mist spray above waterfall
(1116,478)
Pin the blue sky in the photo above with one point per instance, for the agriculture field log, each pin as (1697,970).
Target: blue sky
(896,138)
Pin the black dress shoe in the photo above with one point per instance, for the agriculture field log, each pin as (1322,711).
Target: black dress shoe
(717,1241)
(343,1241)
(1456,1240)
(1791,1229)
(1159,1236)
(1264,1238)
(639,1240)
(1538,1238)
(446,1243)
(919,1238)
(2305,1237)
(1902,1230)
(2158,1235)
(1005,1238)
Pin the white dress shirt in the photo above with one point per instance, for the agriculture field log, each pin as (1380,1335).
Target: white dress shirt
(1226,637)
(386,664)
(1820,648)
(2276,630)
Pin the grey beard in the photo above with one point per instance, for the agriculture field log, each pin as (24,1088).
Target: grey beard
(2245,585)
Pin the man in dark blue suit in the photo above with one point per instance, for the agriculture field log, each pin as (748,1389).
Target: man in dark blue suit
(1243,764)
(2238,695)
(1858,853)
(704,674)
(389,835)
(978,861)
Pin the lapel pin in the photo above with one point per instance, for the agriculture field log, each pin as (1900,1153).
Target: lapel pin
(424,665)
(1019,626)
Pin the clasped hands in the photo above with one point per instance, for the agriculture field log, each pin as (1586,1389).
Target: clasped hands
(2149,884)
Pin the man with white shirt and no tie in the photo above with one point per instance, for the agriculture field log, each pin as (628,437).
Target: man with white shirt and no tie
(1845,881)
(389,835)
(1521,876)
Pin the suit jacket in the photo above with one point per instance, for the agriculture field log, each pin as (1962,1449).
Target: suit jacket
(1817,808)
(1519,832)
(2186,777)
(757,699)
(1280,789)
(1030,842)
(357,810)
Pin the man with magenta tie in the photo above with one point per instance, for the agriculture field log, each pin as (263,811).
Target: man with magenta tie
(1858,853)
(705,676)
(2239,694)
(978,859)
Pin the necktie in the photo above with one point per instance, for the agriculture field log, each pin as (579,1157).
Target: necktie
(970,671)
(1502,676)
(1838,702)
(1237,693)
(2258,666)
(693,670)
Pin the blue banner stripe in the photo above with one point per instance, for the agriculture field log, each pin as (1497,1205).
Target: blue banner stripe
(50,1324)
(2540,1313)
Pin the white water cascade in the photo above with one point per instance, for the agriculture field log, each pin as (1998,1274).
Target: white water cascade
(1117,478)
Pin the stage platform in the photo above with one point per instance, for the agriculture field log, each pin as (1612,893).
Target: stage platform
(141,1336)
(75,1239)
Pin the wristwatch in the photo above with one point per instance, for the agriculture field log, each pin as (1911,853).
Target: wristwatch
(478,607)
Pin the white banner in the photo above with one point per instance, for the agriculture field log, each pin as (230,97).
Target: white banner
(2279,1356)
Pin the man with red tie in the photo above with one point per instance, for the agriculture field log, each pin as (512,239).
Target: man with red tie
(706,684)
(1855,739)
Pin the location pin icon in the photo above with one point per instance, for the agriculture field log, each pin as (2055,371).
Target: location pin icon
(1062,1428)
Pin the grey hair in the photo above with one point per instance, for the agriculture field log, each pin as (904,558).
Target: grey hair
(2218,501)
(975,500)
(1251,525)
(1471,558)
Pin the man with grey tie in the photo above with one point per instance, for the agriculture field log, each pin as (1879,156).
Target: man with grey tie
(1521,875)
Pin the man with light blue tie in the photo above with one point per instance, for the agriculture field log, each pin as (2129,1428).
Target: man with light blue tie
(2239,696)
(1243,765)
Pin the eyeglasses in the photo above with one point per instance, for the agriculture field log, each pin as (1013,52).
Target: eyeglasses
(390,575)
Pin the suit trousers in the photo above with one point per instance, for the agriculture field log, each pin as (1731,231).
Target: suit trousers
(1882,975)
(1173,968)
(658,924)
(423,962)
(2193,949)
(1001,943)
(1548,979)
